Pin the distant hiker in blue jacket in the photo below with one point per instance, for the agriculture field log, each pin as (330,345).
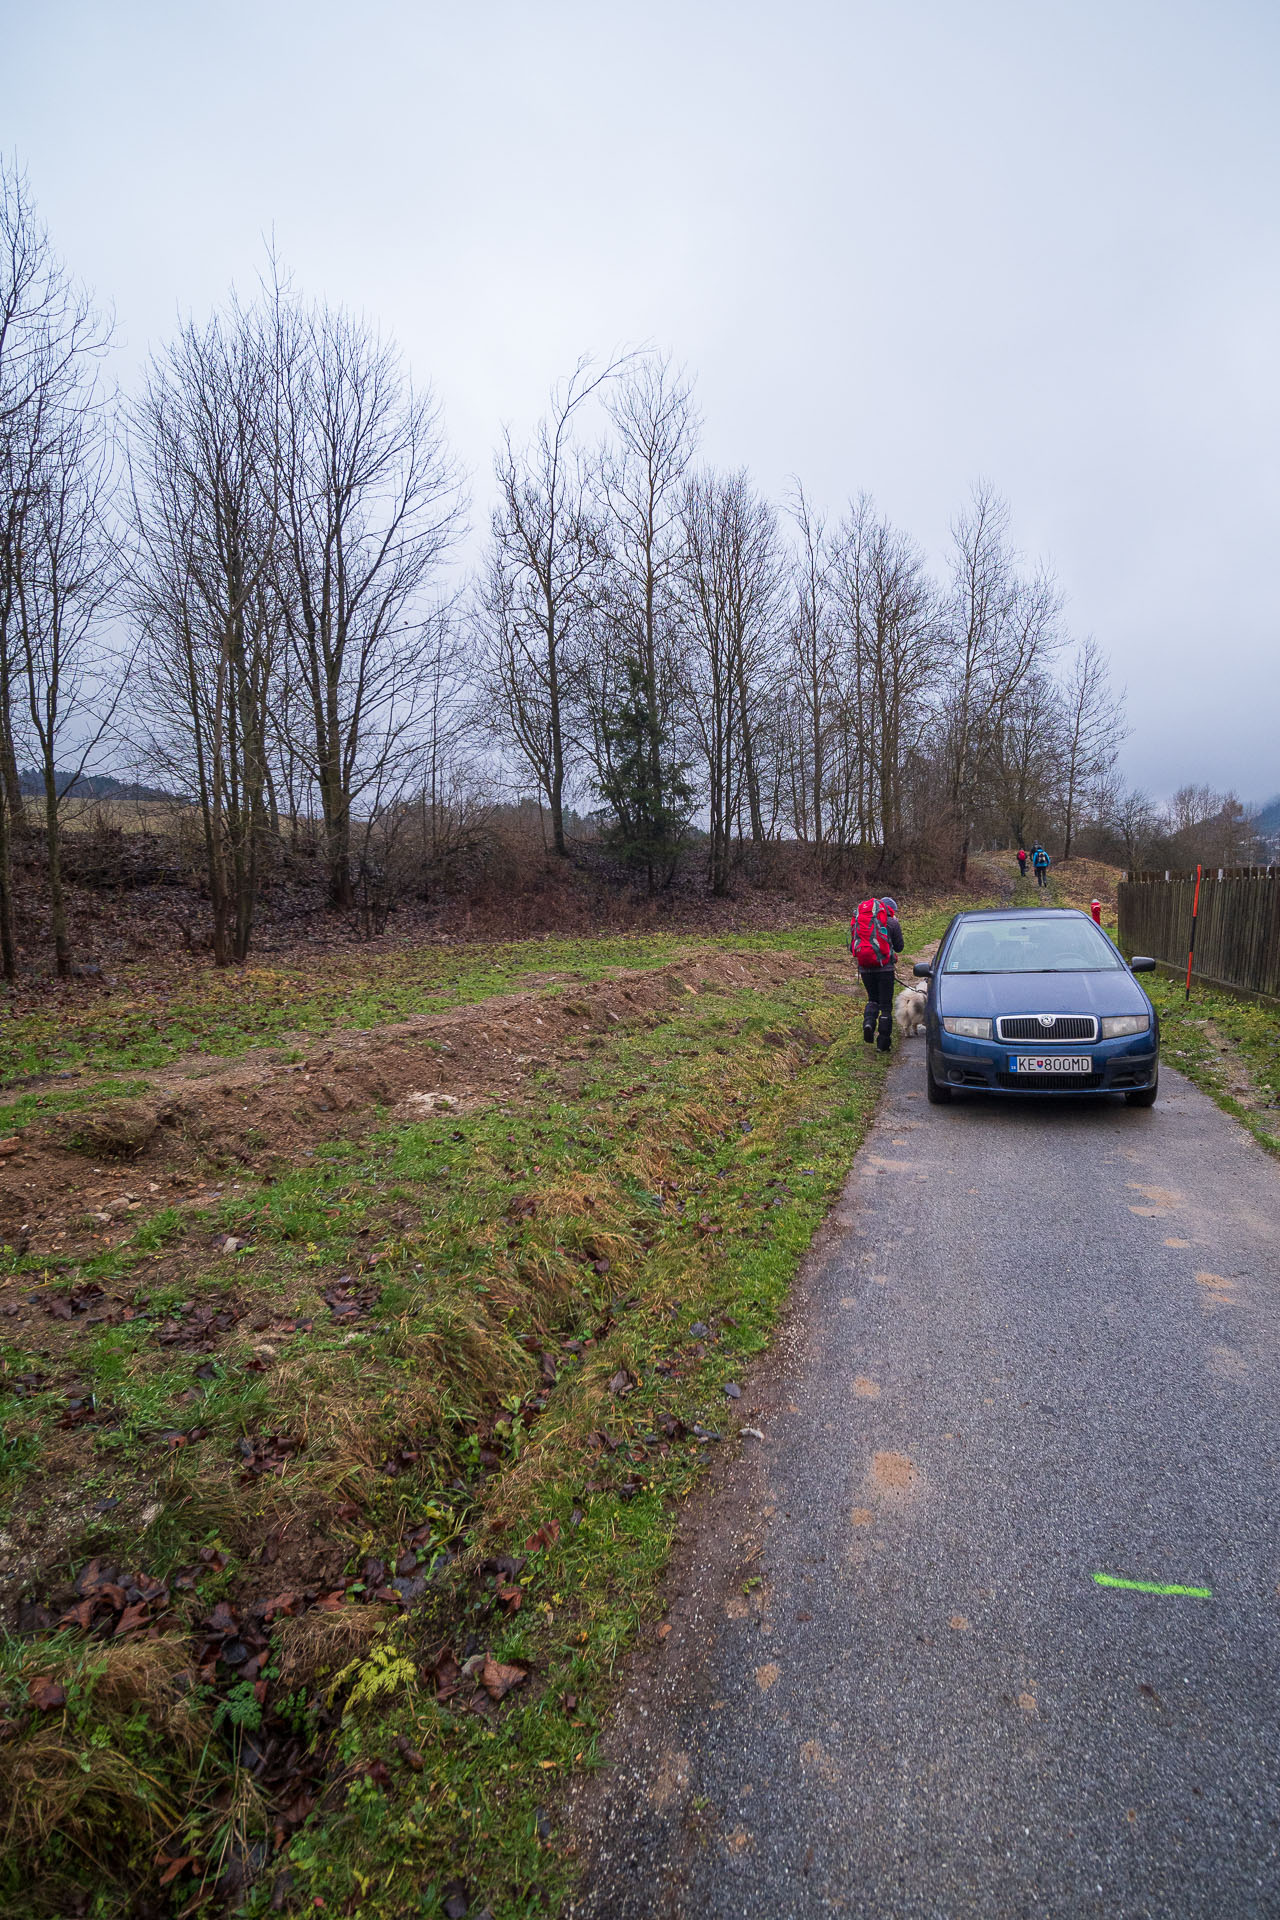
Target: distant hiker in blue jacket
(1040,861)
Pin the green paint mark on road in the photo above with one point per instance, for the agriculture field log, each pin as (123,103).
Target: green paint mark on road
(1153,1586)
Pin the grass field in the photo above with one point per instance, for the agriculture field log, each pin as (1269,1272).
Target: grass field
(334,1498)
(1228,1045)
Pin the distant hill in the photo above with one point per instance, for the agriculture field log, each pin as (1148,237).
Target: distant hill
(1267,823)
(92,786)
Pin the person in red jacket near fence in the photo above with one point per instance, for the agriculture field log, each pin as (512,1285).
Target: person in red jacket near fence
(874,937)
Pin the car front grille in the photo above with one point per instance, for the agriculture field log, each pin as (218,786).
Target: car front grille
(1061,1026)
(1050,1082)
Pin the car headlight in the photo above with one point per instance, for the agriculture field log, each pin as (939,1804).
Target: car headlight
(967,1027)
(1118,1024)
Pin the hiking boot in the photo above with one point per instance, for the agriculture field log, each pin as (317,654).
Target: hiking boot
(868,1034)
(884,1044)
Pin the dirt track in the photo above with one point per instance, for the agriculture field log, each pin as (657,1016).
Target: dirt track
(81,1179)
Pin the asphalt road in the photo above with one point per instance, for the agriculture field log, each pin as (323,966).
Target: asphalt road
(1040,1343)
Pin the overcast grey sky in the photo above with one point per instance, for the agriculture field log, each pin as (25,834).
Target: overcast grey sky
(901,242)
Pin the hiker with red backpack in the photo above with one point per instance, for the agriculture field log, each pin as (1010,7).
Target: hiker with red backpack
(874,937)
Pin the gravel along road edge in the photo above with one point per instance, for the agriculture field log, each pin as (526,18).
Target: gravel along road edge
(987,1622)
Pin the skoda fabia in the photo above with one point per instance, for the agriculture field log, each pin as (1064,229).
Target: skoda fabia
(1038,1002)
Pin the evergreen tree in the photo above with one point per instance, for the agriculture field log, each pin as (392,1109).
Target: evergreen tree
(650,814)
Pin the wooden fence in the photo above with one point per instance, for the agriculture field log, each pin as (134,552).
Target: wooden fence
(1237,933)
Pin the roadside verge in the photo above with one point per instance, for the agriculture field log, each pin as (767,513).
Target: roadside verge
(334,1495)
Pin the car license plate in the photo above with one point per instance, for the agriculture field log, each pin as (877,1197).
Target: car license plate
(1050,1063)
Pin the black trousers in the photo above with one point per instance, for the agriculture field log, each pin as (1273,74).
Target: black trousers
(1042,874)
(879,983)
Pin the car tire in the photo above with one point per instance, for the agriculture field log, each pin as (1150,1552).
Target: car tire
(1143,1096)
(939,1096)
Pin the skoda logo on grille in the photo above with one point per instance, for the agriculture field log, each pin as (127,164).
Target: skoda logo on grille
(1047,1019)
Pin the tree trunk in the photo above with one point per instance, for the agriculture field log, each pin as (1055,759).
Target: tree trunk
(338,857)
(8,955)
(57,902)
(555,793)
(555,802)
(8,759)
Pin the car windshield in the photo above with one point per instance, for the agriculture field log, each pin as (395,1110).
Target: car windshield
(1037,944)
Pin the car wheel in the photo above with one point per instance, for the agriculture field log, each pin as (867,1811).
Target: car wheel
(1143,1096)
(939,1096)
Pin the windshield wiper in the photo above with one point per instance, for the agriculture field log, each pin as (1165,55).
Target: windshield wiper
(1024,972)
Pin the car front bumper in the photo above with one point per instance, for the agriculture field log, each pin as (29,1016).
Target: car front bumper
(985,1066)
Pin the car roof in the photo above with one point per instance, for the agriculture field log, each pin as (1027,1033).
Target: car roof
(1020,913)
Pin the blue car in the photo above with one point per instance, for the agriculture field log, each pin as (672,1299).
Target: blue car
(1038,1002)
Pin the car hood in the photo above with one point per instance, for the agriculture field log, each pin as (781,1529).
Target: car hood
(1111,991)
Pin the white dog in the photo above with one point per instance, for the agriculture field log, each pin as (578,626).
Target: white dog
(908,1010)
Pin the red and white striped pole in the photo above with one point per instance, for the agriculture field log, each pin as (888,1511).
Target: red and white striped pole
(1195,908)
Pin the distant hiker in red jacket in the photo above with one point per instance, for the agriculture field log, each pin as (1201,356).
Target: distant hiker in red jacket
(874,937)
(1022,861)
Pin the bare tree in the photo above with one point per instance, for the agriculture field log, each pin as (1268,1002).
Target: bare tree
(66,569)
(1202,825)
(540,588)
(1022,761)
(734,578)
(812,671)
(1001,626)
(639,478)
(1133,819)
(448,779)
(206,510)
(50,335)
(887,614)
(1092,728)
(425,814)
(370,507)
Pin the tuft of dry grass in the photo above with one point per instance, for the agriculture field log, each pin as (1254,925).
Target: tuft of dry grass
(107,1775)
(321,1642)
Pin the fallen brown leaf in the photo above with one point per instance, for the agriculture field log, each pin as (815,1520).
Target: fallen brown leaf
(498,1679)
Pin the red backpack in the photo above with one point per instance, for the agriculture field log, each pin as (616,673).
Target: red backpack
(869,939)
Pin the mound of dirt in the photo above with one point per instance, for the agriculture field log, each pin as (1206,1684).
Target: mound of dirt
(265,1111)
(121,1129)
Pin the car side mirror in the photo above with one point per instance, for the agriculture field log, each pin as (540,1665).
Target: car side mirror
(922,970)
(1142,963)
